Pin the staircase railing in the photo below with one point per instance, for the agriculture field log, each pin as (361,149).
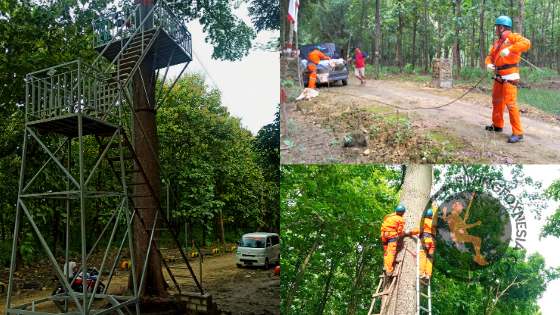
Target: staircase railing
(65,89)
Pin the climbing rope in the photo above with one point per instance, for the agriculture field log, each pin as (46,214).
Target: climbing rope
(421,108)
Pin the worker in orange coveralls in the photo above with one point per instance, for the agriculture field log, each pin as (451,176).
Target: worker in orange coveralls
(392,230)
(503,60)
(314,57)
(428,247)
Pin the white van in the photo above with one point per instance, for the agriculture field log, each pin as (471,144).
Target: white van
(258,249)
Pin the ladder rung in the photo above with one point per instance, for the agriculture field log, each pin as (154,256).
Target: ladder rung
(380,293)
(139,196)
(424,309)
(424,295)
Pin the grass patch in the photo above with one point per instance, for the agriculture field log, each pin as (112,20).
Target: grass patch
(543,99)
(449,143)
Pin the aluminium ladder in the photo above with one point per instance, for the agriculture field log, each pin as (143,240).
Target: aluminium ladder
(385,288)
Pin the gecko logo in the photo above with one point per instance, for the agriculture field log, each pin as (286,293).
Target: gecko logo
(473,230)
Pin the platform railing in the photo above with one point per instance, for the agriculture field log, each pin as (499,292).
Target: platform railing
(68,88)
(117,26)
(174,27)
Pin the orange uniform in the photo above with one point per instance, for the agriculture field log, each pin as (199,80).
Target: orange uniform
(314,57)
(391,229)
(504,92)
(428,247)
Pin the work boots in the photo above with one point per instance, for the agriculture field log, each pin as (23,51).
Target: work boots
(493,128)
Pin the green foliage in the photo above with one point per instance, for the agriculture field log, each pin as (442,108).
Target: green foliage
(265,14)
(427,29)
(552,226)
(230,36)
(210,158)
(342,207)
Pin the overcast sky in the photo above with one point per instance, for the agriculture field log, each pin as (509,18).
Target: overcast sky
(250,87)
(547,247)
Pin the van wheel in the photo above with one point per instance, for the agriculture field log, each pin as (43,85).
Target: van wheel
(239,265)
(266,264)
(344,82)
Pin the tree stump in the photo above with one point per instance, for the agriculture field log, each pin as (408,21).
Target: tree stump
(442,73)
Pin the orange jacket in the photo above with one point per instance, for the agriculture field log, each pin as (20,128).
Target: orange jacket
(393,226)
(516,44)
(428,225)
(316,55)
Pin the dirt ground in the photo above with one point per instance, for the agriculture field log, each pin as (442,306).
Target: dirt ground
(306,138)
(243,291)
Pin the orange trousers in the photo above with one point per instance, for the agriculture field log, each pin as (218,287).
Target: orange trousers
(425,262)
(505,95)
(312,75)
(390,251)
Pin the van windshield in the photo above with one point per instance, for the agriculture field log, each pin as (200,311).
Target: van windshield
(253,242)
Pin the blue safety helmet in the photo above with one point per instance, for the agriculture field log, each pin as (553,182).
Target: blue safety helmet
(504,20)
(428,213)
(400,208)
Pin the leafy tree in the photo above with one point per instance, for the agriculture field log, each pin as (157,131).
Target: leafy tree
(552,226)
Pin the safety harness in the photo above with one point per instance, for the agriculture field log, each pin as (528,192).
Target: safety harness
(498,78)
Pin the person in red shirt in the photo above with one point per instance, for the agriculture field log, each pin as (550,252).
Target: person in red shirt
(360,65)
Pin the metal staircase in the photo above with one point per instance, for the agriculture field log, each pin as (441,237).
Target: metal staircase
(72,103)
(387,285)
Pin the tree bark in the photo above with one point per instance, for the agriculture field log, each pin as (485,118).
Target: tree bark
(414,26)
(293,288)
(357,283)
(457,44)
(520,16)
(377,37)
(222,231)
(398,55)
(146,147)
(425,45)
(415,196)
(327,289)
(482,38)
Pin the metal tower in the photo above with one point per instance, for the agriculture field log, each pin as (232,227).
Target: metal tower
(69,109)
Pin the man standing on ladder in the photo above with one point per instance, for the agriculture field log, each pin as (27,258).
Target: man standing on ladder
(503,60)
(392,231)
(428,244)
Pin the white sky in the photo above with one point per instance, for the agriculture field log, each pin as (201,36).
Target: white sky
(249,87)
(547,247)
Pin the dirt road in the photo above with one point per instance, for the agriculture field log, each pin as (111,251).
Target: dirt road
(243,291)
(463,120)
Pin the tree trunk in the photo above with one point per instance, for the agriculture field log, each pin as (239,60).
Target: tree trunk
(222,231)
(414,26)
(457,44)
(398,55)
(327,289)
(362,23)
(357,283)
(520,16)
(415,196)
(55,230)
(146,147)
(377,37)
(482,37)
(293,288)
(472,54)
(425,46)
